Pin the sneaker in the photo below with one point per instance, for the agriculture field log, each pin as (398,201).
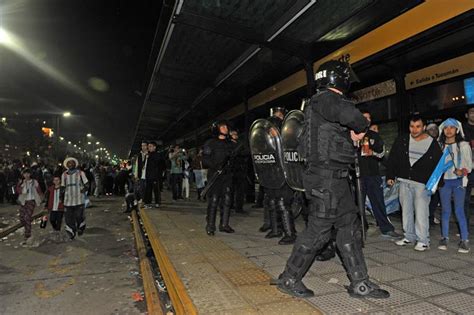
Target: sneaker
(421,247)
(443,244)
(148,206)
(157,205)
(27,241)
(71,234)
(464,247)
(436,221)
(403,242)
(391,234)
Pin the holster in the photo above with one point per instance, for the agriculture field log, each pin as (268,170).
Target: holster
(324,198)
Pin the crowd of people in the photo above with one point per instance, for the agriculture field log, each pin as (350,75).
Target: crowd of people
(431,166)
(62,188)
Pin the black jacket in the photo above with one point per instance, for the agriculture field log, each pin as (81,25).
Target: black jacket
(329,117)
(155,166)
(215,154)
(399,161)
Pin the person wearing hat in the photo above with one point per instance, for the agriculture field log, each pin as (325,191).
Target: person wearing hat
(75,184)
(432,130)
(455,181)
(29,195)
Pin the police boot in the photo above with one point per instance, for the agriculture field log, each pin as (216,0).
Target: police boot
(275,232)
(289,281)
(225,215)
(287,223)
(267,225)
(367,289)
(354,262)
(327,253)
(211,214)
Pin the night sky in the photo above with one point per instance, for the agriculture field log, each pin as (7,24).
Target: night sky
(88,57)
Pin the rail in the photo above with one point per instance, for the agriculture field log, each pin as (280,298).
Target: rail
(180,299)
(153,302)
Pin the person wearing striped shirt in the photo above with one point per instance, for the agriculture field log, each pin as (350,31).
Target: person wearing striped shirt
(75,184)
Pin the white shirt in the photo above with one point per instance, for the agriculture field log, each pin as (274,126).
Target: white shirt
(74,182)
(28,189)
(56,193)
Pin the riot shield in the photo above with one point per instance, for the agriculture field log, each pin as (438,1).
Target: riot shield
(292,164)
(267,157)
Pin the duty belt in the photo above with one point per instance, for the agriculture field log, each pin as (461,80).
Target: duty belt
(338,174)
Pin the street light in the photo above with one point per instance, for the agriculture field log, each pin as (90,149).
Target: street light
(67,114)
(97,143)
(89,135)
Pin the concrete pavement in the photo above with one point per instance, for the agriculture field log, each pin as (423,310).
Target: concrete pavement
(96,273)
(229,273)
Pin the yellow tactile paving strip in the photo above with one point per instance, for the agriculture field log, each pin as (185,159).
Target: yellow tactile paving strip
(219,280)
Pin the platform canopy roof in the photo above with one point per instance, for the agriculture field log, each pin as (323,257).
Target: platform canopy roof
(209,55)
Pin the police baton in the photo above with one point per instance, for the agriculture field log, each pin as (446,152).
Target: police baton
(360,202)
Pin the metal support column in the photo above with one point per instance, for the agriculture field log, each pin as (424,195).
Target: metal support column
(402,102)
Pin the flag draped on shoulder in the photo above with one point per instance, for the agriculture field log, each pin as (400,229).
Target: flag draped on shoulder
(441,168)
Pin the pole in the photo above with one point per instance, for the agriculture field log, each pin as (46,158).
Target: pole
(360,202)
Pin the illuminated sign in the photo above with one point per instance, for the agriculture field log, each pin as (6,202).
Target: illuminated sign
(441,71)
(376,91)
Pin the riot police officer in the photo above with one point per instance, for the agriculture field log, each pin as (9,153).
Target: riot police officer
(216,153)
(279,200)
(332,123)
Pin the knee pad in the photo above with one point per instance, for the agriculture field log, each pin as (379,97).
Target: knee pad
(214,201)
(272,205)
(227,197)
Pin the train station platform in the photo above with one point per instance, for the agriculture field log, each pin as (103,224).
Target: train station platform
(230,273)
(98,273)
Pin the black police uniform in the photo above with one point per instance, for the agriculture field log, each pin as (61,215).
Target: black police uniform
(329,153)
(216,153)
(278,202)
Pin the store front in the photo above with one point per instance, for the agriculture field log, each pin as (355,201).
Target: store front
(436,92)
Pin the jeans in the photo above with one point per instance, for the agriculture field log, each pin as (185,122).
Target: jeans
(198,175)
(453,187)
(415,202)
(152,187)
(433,205)
(467,198)
(372,187)
(176,185)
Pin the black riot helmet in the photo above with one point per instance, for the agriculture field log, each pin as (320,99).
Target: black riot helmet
(215,127)
(335,74)
(274,110)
